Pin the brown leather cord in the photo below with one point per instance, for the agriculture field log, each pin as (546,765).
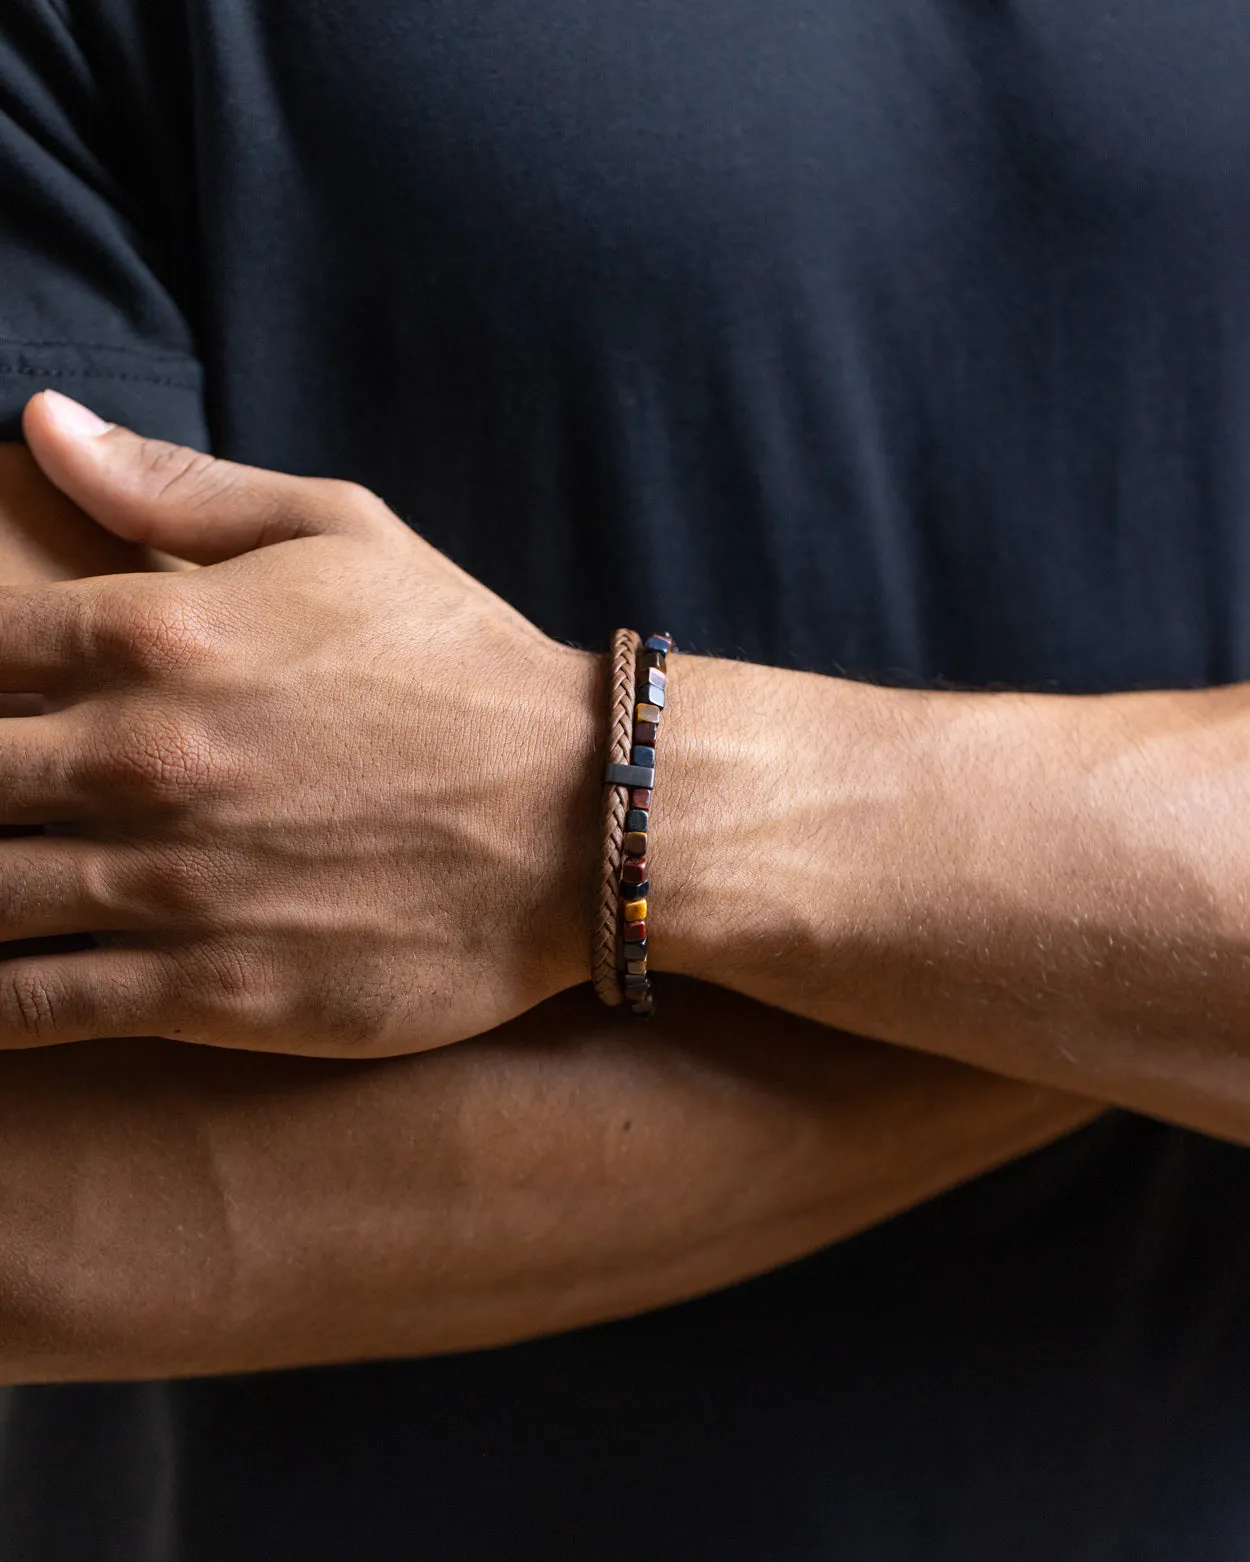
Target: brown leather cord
(603,961)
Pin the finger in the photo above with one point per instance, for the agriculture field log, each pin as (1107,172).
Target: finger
(48,1000)
(182,501)
(45,769)
(43,636)
(51,885)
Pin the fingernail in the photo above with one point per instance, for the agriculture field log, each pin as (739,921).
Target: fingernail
(72,418)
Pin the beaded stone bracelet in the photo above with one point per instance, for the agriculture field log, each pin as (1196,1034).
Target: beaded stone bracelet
(630,785)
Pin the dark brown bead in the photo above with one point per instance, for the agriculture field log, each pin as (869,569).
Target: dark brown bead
(635,844)
(645,731)
(635,932)
(640,797)
(654,659)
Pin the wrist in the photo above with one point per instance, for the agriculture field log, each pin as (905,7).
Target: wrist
(715,809)
(782,803)
(567,800)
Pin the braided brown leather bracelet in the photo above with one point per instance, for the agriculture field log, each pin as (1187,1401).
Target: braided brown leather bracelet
(639,694)
(604,937)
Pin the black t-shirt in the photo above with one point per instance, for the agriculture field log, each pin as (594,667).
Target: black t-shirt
(909,339)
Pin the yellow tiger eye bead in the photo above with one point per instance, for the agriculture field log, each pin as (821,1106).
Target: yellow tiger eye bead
(635,911)
(647,713)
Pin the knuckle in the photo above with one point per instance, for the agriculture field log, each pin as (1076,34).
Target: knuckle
(355,502)
(353,1014)
(164,762)
(161,632)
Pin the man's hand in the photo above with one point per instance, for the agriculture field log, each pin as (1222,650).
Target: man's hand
(168,1209)
(328,794)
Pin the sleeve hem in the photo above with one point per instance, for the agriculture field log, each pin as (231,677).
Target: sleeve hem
(160,396)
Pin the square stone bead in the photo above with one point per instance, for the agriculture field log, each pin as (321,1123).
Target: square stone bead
(635,932)
(635,967)
(634,873)
(635,844)
(639,798)
(644,1009)
(647,712)
(634,951)
(634,911)
(652,694)
(643,757)
(660,642)
(637,819)
(636,891)
(654,659)
(645,732)
(656,676)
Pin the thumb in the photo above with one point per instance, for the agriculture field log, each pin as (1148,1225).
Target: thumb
(180,500)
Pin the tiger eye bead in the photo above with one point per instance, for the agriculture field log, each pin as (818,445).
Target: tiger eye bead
(636,843)
(647,712)
(635,911)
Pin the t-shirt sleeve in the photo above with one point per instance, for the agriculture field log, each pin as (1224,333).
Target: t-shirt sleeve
(83,306)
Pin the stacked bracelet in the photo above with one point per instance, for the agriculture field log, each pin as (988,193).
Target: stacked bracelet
(631,784)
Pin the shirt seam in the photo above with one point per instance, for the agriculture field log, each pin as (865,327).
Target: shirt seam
(153,354)
(30,371)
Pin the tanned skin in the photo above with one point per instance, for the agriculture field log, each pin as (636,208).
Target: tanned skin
(168,1209)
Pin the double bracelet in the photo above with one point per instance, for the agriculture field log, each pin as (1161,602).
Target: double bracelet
(639,693)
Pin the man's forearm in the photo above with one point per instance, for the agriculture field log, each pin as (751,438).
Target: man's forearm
(1051,887)
(171,1210)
